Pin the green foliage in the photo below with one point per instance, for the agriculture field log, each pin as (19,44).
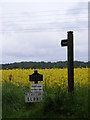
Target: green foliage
(56,103)
(42,65)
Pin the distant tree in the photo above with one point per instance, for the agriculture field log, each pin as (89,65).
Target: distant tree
(43,65)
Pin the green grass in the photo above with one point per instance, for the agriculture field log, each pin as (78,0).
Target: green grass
(56,103)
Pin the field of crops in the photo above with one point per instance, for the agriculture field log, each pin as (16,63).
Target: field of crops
(57,102)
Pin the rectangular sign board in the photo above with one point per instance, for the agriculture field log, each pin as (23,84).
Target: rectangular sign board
(36,93)
(36,77)
(36,87)
(33,97)
(64,43)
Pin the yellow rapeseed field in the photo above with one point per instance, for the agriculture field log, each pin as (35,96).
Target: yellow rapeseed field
(51,77)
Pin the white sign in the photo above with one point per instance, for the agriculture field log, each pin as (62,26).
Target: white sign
(33,97)
(36,88)
(36,94)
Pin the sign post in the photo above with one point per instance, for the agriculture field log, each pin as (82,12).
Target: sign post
(69,43)
(36,93)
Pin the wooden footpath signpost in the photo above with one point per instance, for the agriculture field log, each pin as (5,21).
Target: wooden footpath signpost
(69,43)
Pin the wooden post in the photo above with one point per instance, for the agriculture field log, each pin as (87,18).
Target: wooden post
(69,43)
(70,62)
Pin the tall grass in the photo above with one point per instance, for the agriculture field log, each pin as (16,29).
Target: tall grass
(57,103)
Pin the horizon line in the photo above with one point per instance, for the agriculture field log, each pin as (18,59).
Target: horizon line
(44,61)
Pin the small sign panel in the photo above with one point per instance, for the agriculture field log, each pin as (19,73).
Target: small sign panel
(36,87)
(64,43)
(33,97)
(36,94)
(36,77)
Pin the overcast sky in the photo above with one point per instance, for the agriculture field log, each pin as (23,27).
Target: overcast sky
(32,31)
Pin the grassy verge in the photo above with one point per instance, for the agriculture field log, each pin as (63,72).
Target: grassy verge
(56,103)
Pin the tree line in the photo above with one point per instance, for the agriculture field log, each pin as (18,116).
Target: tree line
(42,65)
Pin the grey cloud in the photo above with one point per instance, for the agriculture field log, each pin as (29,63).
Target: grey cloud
(41,19)
(31,44)
(79,8)
(35,34)
(53,26)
